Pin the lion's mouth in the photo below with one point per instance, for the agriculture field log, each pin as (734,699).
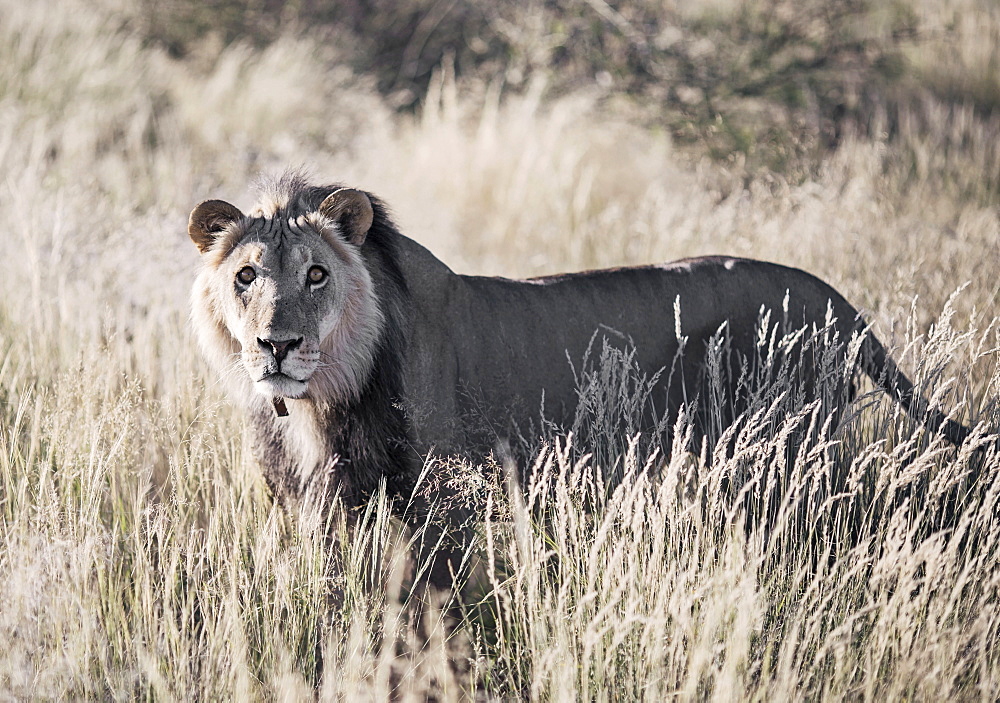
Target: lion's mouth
(280,385)
(277,376)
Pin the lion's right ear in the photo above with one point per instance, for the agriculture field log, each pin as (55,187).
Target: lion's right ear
(352,210)
(208,220)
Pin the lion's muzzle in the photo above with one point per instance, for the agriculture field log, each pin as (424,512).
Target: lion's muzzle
(281,366)
(278,349)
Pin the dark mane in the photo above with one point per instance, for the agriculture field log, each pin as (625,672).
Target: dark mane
(368,434)
(372,431)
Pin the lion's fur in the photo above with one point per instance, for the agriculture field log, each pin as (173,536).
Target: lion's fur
(416,358)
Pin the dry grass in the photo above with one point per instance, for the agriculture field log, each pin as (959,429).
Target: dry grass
(141,557)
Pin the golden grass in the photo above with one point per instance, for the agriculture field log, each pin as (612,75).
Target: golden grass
(141,557)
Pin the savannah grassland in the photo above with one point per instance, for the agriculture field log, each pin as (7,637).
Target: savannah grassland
(140,554)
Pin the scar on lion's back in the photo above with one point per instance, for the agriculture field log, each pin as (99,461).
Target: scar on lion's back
(696,262)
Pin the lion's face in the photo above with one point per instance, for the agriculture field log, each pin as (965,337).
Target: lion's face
(280,304)
(286,295)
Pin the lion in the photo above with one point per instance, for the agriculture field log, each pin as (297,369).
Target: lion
(356,352)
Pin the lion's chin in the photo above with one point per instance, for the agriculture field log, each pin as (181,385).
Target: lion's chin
(279,385)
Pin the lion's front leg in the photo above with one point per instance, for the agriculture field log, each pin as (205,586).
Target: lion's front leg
(444,543)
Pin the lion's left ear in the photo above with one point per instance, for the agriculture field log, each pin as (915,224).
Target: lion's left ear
(352,210)
(208,220)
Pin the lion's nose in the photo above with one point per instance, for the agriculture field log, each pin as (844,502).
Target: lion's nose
(279,348)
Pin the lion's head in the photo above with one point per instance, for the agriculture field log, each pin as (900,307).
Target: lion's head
(284,302)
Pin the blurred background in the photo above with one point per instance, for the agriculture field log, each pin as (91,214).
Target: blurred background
(858,139)
(589,105)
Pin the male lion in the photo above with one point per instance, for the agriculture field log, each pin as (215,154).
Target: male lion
(356,351)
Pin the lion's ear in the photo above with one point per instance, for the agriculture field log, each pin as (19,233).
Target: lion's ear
(208,220)
(352,210)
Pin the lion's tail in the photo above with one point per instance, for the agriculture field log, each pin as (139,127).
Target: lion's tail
(879,366)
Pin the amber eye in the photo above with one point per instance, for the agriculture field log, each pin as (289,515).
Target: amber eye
(316,274)
(246,275)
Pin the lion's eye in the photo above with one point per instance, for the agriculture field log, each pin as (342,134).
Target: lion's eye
(316,274)
(246,275)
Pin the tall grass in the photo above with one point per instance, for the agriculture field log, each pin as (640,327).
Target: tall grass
(141,557)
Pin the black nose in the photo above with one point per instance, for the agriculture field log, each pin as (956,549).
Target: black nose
(279,348)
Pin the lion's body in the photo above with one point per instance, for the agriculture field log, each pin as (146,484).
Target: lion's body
(391,355)
(499,344)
